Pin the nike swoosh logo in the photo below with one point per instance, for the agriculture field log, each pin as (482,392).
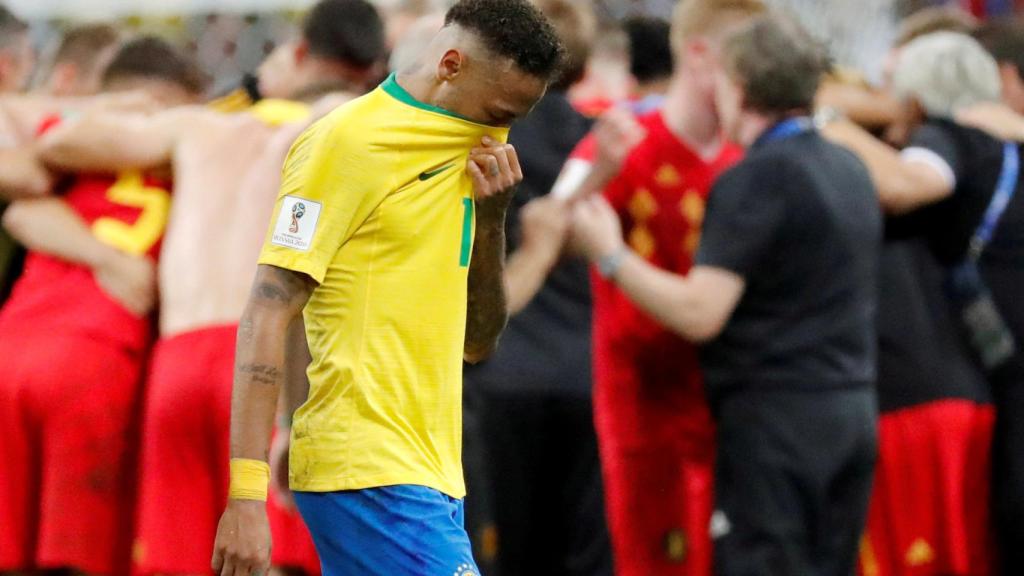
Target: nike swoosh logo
(428,175)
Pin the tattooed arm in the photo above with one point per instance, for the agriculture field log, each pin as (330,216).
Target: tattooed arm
(277,299)
(495,170)
(487,312)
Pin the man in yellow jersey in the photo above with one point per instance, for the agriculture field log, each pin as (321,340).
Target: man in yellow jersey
(226,171)
(388,238)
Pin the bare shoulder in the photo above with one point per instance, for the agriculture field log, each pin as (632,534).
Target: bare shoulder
(329,103)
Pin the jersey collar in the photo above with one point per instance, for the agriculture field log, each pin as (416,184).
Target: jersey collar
(396,91)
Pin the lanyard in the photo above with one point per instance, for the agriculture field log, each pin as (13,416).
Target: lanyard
(1005,189)
(785,129)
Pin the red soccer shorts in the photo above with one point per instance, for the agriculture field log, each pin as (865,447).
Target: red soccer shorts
(657,443)
(184,482)
(184,475)
(659,503)
(68,416)
(929,512)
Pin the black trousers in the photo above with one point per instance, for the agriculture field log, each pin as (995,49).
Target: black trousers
(479,496)
(1008,466)
(792,481)
(544,488)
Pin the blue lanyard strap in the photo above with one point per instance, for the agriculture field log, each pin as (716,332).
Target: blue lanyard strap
(1005,189)
(785,129)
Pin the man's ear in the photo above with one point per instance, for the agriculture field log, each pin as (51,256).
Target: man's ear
(6,67)
(450,65)
(1010,75)
(918,114)
(301,51)
(63,78)
(697,51)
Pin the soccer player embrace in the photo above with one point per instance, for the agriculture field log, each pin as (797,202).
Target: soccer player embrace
(396,267)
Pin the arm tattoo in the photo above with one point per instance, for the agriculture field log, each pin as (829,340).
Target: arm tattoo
(487,311)
(269,291)
(275,284)
(261,373)
(246,330)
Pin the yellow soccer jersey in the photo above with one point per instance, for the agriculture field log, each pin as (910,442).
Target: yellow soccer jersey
(376,206)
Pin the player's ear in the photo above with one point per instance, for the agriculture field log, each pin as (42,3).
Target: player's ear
(450,65)
(6,67)
(301,51)
(918,114)
(63,78)
(697,52)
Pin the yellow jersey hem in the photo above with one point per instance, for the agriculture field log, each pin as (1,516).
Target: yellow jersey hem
(341,484)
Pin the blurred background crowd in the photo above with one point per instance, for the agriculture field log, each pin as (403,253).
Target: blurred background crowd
(202,99)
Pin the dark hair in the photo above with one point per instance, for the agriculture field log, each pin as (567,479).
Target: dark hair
(1004,39)
(513,29)
(152,57)
(12,28)
(650,48)
(576,26)
(348,31)
(778,63)
(82,44)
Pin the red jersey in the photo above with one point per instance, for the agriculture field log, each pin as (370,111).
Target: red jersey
(648,380)
(128,212)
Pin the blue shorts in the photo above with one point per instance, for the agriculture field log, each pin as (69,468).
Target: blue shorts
(394,531)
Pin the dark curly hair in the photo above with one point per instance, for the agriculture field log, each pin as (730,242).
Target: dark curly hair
(514,29)
(349,31)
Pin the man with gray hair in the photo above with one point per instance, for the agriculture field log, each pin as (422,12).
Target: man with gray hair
(975,227)
(783,293)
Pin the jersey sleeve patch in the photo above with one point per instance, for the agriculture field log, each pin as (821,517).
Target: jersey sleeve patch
(296,223)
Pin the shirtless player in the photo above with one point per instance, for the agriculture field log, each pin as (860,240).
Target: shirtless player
(226,172)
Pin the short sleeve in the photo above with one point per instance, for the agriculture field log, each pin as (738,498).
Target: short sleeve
(936,146)
(328,189)
(746,210)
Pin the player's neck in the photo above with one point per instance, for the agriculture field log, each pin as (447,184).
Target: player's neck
(419,85)
(692,119)
(319,76)
(753,125)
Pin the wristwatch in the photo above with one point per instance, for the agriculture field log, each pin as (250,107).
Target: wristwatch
(609,264)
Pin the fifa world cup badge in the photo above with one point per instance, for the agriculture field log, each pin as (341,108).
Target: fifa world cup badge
(296,223)
(298,211)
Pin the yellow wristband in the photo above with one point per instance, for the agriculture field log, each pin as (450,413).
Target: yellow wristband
(249,479)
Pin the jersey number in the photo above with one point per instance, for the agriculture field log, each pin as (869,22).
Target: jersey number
(136,238)
(467,232)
